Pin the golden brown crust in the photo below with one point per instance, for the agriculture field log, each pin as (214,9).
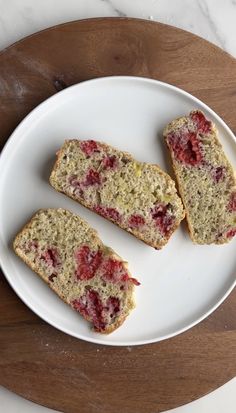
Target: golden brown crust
(182,197)
(158,245)
(18,252)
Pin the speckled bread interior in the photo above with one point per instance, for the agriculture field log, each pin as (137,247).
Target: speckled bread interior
(138,197)
(205,178)
(69,256)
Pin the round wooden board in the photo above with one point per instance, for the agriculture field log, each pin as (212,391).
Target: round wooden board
(43,364)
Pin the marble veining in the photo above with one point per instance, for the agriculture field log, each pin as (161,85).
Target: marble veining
(206,12)
(114,9)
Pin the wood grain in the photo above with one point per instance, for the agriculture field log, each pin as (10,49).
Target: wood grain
(36,360)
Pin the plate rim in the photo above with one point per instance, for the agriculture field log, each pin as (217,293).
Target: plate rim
(4,153)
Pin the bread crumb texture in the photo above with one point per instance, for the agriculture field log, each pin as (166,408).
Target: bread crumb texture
(138,197)
(205,177)
(68,255)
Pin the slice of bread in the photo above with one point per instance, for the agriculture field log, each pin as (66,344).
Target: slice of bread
(205,177)
(68,255)
(138,197)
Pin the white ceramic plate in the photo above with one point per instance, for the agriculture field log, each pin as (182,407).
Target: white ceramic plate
(181,284)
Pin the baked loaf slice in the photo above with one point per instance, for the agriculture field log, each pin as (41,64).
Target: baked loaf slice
(138,197)
(68,255)
(205,177)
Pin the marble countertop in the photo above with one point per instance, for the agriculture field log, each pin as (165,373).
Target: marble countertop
(213,20)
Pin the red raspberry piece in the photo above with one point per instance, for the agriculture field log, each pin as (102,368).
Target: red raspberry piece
(90,306)
(232,202)
(112,306)
(110,213)
(163,219)
(51,257)
(114,270)
(126,278)
(203,125)
(231,233)
(87,263)
(186,147)
(136,221)
(80,304)
(92,178)
(52,260)
(110,162)
(74,181)
(134,281)
(89,147)
(218,174)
